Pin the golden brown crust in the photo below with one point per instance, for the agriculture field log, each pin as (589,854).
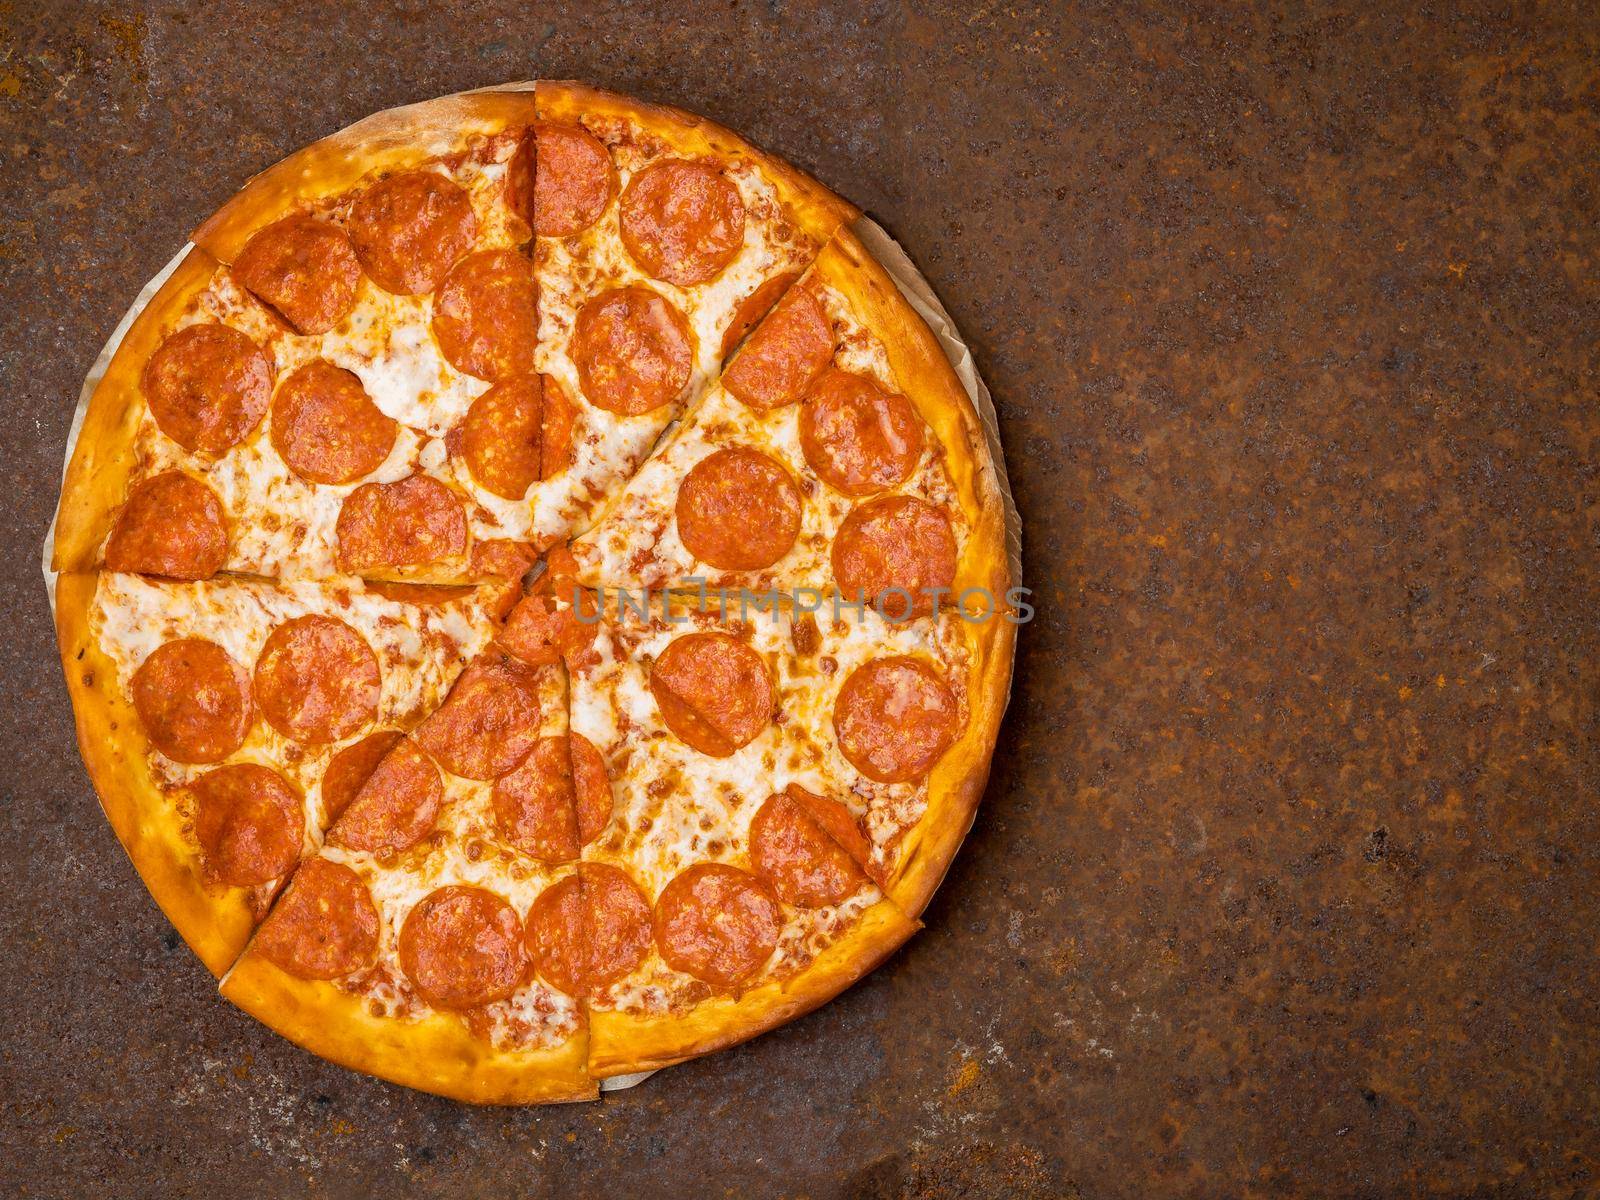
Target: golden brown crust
(103,461)
(214,919)
(384,142)
(924,373)
(816,209)
(436,1053)
(621,1043)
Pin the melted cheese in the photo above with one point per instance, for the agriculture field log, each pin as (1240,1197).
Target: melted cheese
(388,343)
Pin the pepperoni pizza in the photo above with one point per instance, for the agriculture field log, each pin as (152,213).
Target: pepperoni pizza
(387,553)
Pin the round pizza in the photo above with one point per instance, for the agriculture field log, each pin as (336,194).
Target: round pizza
(534,595)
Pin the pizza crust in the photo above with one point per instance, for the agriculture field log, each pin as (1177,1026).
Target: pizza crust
(814,208)
(214,919)
(381,144)
(436,1053)
(621,1043)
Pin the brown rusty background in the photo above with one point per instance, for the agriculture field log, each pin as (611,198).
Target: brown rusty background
(1286,879)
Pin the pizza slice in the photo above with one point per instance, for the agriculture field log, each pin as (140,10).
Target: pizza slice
(407,948)
(225,722)
(837,452)
(661,238)
(788,790)
(338,377)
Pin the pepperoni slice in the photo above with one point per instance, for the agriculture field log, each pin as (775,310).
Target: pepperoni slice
(784,356)
(533,805)
(738,510)
(856,436)
(326,925)
(305,268)
(541,631)
(489,721)
(682,221)
(250,823)
(483,316)
(591,787)
(557,623)
(410,228)
(895,542)
(589,930)
(500,437)
(532,632)
(522,177)
(557,801)
(326,427)
(796,855)
(396,807)
(194,701)
(633,351)
(753,307)
(574,182)
(714,692)
(501,558)
(557,937)
(413,521)
(561,569)
(717,923)
(894,717)
(556,417)
(835,820)
(172,525)
(580,638)
(208,386)
(317,680)
(462,947)
(617,923)
(348,771)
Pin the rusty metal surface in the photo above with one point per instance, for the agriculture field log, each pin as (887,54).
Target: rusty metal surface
(1286,879)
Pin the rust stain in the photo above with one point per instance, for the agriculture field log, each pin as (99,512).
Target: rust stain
(966,1075)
